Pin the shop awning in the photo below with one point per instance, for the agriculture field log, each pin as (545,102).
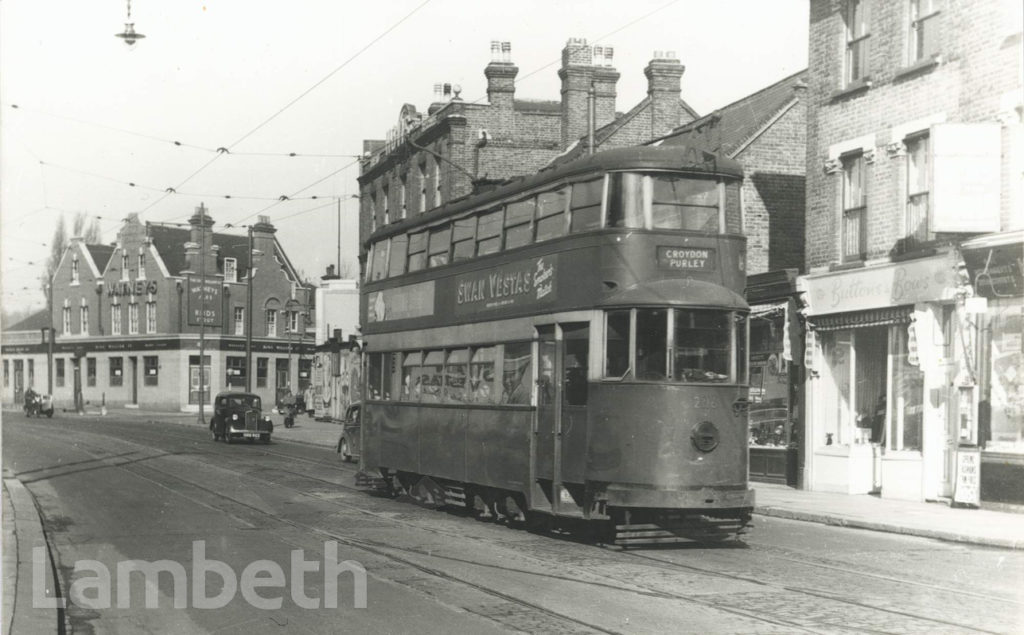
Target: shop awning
(765,310)
(862,319)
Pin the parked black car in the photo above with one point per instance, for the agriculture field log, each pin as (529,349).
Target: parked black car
(239,415)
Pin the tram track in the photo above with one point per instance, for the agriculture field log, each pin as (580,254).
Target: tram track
(571,573)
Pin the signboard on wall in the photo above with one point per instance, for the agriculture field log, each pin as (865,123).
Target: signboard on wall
(204,302)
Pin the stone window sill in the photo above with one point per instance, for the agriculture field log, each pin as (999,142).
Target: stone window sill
(852,89)
(920,67)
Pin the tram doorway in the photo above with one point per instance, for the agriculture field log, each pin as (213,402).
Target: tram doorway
(562,394)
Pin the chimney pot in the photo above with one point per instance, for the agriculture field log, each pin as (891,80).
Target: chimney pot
(506,51)
(495,51)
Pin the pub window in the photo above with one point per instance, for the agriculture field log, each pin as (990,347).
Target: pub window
(455,376)
(133,318)
(551,213)
(74,270)
(58,369)
(626,200)
(918,185)
(151,316)
(682,203)
(83,313)
(411,364)
(519,223)
(7,373)
(440,243)
(463,237)
(230,270)
(651,344)
(854,221)
(262,364)
(124,266)
(151,370)
(585,205)
(271,330)
(856,18)
(235,372)
(115,319)
(90,371)
(432,377)
(66,320)
(293,322)
(482,386)
(397,255)
(417,251)
(379,268)
(239,320)
(617,358)
(116,371)
(142,264)
(924,30)
(517,373)
(488,233)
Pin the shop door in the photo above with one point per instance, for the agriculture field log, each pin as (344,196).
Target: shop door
(951,432)
(194,374)
(19,381)
(562,393)
(135,379)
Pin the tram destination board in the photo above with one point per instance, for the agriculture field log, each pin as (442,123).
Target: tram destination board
(686,258)
(204,302)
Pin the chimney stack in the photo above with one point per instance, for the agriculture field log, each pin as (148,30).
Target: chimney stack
(501,88)
(663,87)
(201,243)
(576,74)
(605,78)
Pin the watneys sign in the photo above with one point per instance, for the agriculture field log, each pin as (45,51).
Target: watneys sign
(131,287)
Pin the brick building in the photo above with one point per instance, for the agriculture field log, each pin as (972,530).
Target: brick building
(434,157)
(914,169)
(122,313)
(766,132)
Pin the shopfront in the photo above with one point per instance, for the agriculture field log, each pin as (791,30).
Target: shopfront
(881,359)
(995,267)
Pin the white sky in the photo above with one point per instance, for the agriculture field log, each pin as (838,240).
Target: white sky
(208,74)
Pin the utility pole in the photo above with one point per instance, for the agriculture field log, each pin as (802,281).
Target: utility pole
(202,320)
(248,319)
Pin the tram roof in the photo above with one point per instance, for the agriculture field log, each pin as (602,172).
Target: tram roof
(676,292)
(677,158)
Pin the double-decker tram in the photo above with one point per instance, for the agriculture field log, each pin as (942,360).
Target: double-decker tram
(568,347)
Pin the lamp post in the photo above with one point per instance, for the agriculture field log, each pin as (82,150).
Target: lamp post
(48,333)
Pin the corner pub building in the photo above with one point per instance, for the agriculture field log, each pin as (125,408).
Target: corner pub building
(122,333)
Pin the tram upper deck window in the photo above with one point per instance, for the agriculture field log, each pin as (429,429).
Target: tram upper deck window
(519,223)
(626,200)
(586,205)
(488,233)
(396,264)
(379,268)
(417,251)
(463,237)
(551,208)
(685,203)
(440,243)
(703,341)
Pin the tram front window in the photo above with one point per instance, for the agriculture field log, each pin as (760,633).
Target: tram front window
(702,347)
(683,203)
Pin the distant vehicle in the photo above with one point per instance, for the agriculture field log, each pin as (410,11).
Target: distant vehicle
(348,444)
(39,405)
(239,415)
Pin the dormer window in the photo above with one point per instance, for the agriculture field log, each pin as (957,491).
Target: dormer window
(230,270)
(74,270)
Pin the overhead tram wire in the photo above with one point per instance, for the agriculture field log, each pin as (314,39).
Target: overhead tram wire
(293,101)
(296,196)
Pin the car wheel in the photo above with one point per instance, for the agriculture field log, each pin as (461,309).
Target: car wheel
(346,454)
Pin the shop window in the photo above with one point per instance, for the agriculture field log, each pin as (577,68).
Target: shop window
(918,181)
(397,255)
(271,317)
(854,220)
(871,348)
(517,373)
(1001,415)
(261,372)
(116,371)
(440,243)
(585,206)
(837,419)
(58,372)
(305,374)
(455,370)
(923,35)
(463,238)
(519,223)
(151,370)
(488,233)
(906,413)
(616,363)
(235,372)
(115,319)
(857,18)
(482,388)
(417,252)
(551,214)
(90,372)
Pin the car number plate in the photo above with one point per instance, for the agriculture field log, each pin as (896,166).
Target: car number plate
(252,434)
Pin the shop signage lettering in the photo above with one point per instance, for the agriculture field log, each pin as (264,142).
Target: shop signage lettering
(686,258)
(132,287)
(519,284)
(918,281)
(204,302)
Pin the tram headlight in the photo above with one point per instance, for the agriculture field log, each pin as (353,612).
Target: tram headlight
(705,436)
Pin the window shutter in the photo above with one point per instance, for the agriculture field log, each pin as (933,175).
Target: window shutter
(965,177)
